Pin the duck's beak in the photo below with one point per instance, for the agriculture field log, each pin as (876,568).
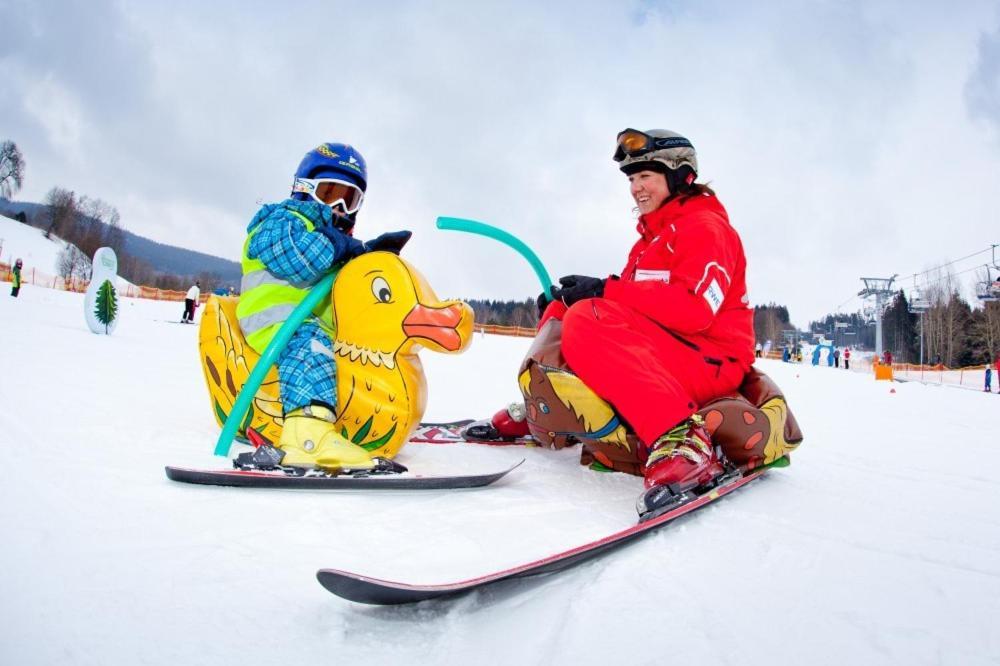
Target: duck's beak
(439,325)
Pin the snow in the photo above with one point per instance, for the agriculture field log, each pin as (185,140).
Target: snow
(879,545)
(19,240)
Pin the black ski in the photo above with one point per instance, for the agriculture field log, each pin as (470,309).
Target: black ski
(315,480)
(367,590)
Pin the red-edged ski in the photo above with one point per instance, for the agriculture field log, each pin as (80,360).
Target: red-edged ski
(316,480)
(454,432)
(367,590)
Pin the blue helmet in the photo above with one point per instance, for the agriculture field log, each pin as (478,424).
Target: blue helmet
(333,160)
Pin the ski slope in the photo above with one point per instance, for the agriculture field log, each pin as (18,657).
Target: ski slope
(879,545)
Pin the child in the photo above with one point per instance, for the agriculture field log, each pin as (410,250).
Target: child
(290,247)
(16,283)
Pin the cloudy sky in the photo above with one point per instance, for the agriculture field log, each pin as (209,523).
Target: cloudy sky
(846,138)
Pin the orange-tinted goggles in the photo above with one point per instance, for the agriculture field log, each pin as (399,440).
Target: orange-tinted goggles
(632,142)
(331,192)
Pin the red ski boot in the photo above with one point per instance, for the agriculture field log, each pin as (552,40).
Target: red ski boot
(508,424)
(680,460)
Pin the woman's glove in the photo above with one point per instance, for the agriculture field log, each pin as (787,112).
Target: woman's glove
(578,287)
(543,300)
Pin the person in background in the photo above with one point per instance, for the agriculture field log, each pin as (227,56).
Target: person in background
(16,281)
(887,357)
(190,303)
(989,379)
(847,358)
(758,350)
(836,358)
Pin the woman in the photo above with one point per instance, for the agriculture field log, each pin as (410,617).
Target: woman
(675,330)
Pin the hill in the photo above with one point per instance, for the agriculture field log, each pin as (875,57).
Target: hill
(164,258)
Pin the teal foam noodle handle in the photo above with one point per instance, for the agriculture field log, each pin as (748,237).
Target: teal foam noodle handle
(267,361)
(483,229)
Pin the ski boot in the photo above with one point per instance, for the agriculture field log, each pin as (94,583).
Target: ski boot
(309,439)
(509,423)
(681,462)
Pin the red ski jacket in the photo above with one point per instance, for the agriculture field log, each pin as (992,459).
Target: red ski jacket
(687,272)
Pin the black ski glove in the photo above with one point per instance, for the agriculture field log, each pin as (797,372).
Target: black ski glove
(578,287)
(392,241)
(543,300)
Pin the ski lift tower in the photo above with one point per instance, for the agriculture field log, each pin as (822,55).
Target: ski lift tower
(881,289)
(919,305)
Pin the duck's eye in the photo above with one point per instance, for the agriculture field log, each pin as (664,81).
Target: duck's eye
(381,290)
(542,407)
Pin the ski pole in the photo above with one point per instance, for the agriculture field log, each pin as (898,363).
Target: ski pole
(483,229)
(268,359)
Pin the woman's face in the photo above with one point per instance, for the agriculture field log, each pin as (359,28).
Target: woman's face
(649,190)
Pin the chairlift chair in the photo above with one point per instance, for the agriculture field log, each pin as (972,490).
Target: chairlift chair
(989,289)
(917,302)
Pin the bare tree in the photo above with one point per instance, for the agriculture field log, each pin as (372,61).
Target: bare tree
(61,211)
(114,235)
(11,169)
(72,264)
(99,227)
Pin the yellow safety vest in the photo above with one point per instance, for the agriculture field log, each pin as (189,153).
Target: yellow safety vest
(266,300)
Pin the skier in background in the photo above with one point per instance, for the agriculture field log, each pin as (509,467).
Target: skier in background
(15,288)
(847,358)
(989,379)
(291,246)
(836,358)
(675,330)
(190,303)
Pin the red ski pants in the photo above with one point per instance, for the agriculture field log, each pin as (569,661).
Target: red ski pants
(652,379)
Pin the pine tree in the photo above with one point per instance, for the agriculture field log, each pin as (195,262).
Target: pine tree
(106,308)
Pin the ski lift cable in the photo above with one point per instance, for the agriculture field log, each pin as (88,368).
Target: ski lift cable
(839,307)
(953,261)
(927,283)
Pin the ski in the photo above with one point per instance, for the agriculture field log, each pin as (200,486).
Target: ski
(286,478)
(454,432)
(367,590)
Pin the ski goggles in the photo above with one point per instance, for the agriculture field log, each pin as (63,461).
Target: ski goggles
(632,143)
(331,192)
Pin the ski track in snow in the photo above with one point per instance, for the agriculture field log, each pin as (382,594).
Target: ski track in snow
(879,545)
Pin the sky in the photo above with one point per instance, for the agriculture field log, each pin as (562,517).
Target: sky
(846,139)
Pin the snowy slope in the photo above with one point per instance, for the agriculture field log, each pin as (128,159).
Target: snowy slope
(879,545)
(22,241)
